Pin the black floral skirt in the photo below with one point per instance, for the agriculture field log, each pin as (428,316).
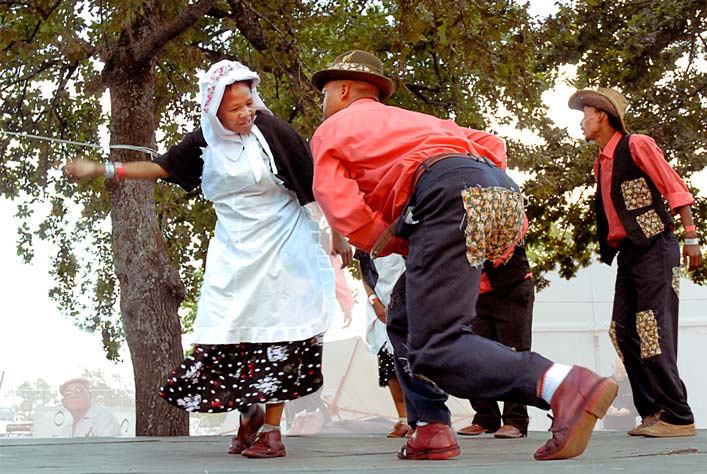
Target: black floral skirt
(386,367)
(225,377)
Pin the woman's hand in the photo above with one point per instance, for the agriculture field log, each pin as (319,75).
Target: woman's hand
(81,168)
(380,310)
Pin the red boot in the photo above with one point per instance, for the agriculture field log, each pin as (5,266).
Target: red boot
(267,444)
(431,441)
(246,432)
(577,403)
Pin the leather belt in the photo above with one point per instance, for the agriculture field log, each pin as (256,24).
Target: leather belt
(435,158)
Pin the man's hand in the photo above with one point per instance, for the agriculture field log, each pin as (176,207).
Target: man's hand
(692,256)
(340,246)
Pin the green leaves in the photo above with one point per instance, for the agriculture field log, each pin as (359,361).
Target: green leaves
(481,63)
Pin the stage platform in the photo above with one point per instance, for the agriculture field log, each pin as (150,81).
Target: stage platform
(607,452)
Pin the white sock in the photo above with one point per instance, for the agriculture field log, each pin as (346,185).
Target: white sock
(421,423)
(403,419)
(552,379)
(267,428)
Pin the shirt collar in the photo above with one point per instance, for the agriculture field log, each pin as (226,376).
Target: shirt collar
(608,150)
(364,100)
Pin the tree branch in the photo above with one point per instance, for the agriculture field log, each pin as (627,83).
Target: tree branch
(148,48)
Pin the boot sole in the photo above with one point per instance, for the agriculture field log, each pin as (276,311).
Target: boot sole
(673,433)
(431,454)
(474,434)
(596,407)
(276,454)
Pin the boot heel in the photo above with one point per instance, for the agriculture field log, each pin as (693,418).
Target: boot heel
(603,398)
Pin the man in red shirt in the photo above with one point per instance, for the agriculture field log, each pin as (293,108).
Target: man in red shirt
(633,221)
(394,180)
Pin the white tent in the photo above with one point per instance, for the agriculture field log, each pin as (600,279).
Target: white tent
(571,325)
(571,322)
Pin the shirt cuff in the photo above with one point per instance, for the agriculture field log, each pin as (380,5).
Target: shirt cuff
(679,199)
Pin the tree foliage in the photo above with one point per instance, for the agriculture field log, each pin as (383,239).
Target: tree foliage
(80,69)
(655,53)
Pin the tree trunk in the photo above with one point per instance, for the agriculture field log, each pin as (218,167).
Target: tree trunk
(150,288)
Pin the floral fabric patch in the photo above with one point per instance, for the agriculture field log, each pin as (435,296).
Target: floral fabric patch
(494,222)
(676,281)
(647,328)
(615,340)
(636,193)
(650,223)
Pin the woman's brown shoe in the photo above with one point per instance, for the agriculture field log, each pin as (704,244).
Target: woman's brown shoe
(246,432)
(267,444)
(400,430)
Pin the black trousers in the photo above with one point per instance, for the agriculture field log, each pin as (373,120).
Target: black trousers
(644,327)
(433,340)
(508,319)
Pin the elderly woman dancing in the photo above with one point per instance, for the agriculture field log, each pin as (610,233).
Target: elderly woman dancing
(268,290)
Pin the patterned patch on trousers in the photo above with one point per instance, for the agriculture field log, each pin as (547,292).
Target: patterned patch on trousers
(636,193)
(676,281)
(494,222)
(615,340)
(650,223)
(647,328)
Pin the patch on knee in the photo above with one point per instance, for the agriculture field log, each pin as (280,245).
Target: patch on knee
(647,328)
(676,281)
(494,222)
(615,339)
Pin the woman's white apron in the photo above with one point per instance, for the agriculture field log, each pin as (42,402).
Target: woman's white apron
(267,278)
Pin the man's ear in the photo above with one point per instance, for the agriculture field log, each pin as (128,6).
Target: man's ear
(604,117)
(344,90)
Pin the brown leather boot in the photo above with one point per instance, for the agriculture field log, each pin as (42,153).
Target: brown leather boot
(246,432)
(267,444)
(474,429)
(431,441)
(581,398)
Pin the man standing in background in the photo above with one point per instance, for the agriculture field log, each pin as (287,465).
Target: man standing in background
(633,179)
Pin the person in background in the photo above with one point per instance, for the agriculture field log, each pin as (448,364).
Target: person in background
(378,278)
(634,181)
(88,419)
(268,291)
(504,313)
(344,295)
(622,413)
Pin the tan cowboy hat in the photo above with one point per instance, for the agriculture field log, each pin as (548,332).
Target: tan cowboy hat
(356,65)
(605,99)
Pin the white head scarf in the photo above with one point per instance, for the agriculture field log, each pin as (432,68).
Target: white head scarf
(212,86)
